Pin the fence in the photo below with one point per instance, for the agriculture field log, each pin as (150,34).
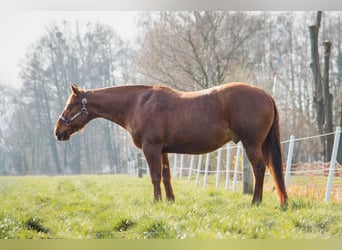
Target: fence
(228,167)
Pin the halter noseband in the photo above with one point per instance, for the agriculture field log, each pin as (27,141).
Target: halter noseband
(83,110)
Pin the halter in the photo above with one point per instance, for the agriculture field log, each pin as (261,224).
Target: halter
(83,110)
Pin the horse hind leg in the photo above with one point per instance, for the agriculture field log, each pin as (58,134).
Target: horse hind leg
(255,156)
(167,177)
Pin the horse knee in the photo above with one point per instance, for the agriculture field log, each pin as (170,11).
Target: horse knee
(259,169)
(155,180)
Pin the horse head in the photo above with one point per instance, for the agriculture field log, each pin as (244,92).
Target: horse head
(74,116)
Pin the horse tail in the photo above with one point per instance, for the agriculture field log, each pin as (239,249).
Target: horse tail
(273,156)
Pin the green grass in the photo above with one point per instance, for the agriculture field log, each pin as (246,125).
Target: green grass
(121,207)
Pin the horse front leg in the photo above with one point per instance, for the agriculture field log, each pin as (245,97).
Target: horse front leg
(167,177)
(153,157)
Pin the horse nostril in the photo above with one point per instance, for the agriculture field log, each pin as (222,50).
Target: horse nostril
(62,136)
(57,135)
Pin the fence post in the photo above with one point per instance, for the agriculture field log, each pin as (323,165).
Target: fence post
(174,165)
(228,165)
(115,169)
(191,167)
(147,168)
(140,167)
(128,166)
(129,169)
(332,163)
(132,168)
(181,167)
(237,162)
(207,161)
(247,176)
(289,160)
(218,168)
(199,164)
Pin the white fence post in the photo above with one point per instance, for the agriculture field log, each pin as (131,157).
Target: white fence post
(130,168)
(174,165)
(191,167)
(198,169)
(332,163)
(181,167)
(147,168)
(237,162)
(207,161)
(228,165)
(218,168)
(289,160)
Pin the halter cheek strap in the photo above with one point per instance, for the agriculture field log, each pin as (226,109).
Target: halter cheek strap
(82,111)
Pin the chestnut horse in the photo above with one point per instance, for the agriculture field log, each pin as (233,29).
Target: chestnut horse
(162,120)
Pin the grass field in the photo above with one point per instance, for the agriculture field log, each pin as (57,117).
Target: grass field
(73,207)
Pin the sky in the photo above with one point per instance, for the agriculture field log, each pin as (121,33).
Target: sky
(23,21)
(19,29)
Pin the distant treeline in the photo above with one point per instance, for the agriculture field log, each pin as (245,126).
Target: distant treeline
(186,50)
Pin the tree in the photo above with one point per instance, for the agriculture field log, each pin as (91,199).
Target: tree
(316,70)
(322,96)
(91,55)
(328,99)
(194,50)
(7,95)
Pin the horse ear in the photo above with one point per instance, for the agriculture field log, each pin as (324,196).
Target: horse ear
(75,89)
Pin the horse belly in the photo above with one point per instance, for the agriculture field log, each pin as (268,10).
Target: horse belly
(205,142)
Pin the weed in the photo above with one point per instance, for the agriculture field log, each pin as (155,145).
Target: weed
(124,225)
(158,230)
(303,224)
(105,234)
(300,203)
(323,223)
(310,224)
(36,224)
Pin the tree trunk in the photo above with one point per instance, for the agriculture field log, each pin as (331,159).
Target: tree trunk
(52,139)
(76,155)
(110,148)
(316,70)
(328,124)
(339,77)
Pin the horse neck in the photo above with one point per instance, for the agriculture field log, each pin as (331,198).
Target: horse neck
(113,103)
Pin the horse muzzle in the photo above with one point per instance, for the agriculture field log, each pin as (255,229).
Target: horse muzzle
(64,136)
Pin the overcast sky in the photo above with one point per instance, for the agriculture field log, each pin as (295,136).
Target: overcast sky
(19,29)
